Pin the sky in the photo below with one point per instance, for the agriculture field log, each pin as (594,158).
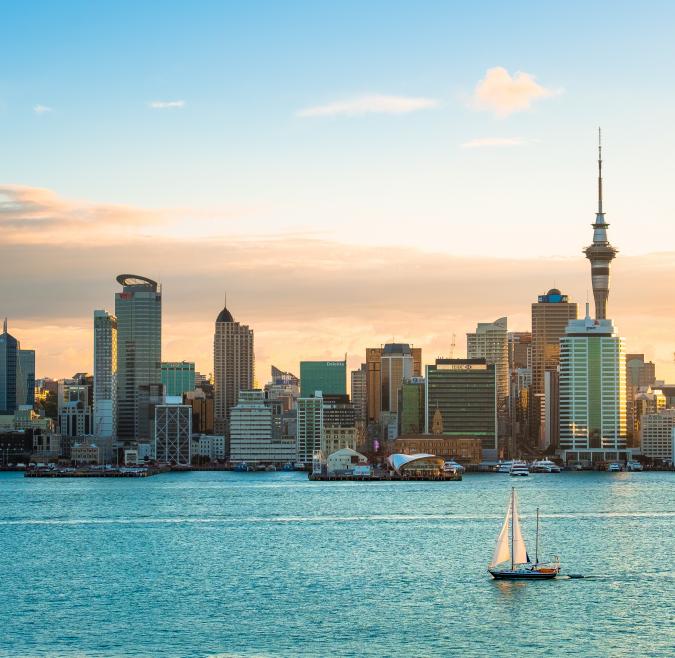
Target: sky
(348,173)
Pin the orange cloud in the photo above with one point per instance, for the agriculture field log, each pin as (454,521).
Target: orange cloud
(503,94)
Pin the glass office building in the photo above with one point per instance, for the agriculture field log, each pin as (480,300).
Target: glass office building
(329,377)
(178,377)
(139,349)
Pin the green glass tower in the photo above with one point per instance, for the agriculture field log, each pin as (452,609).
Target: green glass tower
(329,377)
(178,377)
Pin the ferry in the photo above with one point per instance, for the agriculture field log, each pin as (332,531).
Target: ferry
(452,466)
(614,467)
(519,468)
(545,466)
(634,466)
(504,467)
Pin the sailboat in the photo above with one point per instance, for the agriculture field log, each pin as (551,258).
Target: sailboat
(511,548)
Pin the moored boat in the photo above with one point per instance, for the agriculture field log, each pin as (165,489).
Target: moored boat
(511,547)
(504,467)
(519,468)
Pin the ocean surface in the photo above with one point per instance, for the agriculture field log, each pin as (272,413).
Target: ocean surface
(270,564)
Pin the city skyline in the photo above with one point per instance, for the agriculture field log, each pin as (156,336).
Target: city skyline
(205,170)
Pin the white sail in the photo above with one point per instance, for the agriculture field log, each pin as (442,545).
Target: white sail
(502,551)
(519,550)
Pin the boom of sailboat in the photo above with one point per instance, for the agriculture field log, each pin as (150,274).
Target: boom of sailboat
(511,549)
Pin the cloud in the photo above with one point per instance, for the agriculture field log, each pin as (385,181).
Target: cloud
(32,215)
(41,109)
(483,142)
(503,94)
(165,105)
(371,104)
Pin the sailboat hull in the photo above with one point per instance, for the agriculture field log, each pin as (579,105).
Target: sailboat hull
(523,574)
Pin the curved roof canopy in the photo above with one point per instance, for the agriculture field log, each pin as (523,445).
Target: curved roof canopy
(136,281)
(399,461)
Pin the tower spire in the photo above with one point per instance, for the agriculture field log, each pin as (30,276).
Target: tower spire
(599,170)
(600,252)
(4,326)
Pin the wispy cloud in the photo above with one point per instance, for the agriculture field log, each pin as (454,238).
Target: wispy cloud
(370,104)
(41,109)
(486,142)
(166,105)
(503,94)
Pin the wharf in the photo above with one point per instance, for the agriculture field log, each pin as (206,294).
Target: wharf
(91,472)
(385,477)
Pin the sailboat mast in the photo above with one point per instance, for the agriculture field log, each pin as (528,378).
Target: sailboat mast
(536,546)
(513,495)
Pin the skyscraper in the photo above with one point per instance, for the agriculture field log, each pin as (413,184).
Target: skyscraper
(600,253)
(550,315)
(359,392)
(233,367)
(25,377)
(490,342)
(9,370)
(105,374)
(461,400)
(139,349)
(386,368)
(592,391)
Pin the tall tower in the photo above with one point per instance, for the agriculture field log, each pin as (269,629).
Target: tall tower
(600,252)
(233,367)
(105,374)
(139,351)
(9,371)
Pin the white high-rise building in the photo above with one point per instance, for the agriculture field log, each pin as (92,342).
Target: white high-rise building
(656,435)
(309,427)
(592,392)
(105,374)
(255,437)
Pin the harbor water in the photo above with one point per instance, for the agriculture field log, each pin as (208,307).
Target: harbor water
(270,564)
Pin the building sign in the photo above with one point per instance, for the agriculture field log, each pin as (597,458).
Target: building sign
(461,366)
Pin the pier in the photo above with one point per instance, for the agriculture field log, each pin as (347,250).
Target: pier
(92,472)
(385,477)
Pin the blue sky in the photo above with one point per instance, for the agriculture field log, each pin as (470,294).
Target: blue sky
(236,157)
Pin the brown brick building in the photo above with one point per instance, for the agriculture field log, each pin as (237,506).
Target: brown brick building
(465,450)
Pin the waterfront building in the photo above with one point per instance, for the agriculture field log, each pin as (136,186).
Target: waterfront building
(550,315)
(172,442)
(464,450)
(411,398)
(346,460)
(85,453)
(9,371)
(335,438)
(461,396)
(16,447)
(329,377)
(202,410)
(233,366)
(138,309)
(178,377)
(309,427)
(74,406)
(209,445)
(255,431)
(656,435)
(359,393)
(592,391)
(105,374)
(490,342)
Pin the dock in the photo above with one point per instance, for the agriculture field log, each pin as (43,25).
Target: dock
(384,477)
(92,472)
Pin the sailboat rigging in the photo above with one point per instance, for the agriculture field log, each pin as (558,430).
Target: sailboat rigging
(511,547)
